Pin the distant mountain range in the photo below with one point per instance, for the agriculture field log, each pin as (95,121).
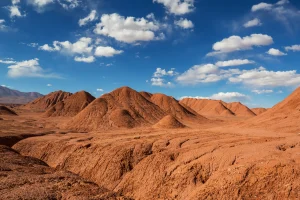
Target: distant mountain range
(9,96)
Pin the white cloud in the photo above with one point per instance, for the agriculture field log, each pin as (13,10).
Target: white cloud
(28,68)
(40,3)
(258,77)
(89,59)
(262,91)
(49,85)
(82,46)
(261,77)
(14,2)
(235,62)
(207,73)
(252,23)
(15,12)
(158,80)
(106,51)
(128,30)
(109,65)
(91,17)
(7,61)
(32,45)
(280,12)
(184,23)
(177,7)
(224,96)
(261,6)
(69,4)
(100,90)
(282,2)
(6,86)
(275,52)
(236,43)
(3,27)
(162,72)
(293,48)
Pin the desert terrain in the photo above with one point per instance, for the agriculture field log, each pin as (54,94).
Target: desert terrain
(137,145)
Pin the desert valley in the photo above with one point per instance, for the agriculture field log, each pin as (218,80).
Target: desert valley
(137,145)
(149,100)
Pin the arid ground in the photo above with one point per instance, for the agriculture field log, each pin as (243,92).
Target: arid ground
(136,145)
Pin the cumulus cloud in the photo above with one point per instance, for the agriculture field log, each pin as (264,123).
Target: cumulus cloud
(267,6)
(257,78)
(236,62)
(82,46)
(40,4)
(261,6)
(100,90)
(15,12)
(28,68)
(224,96)
(162,72)
(252,23)
(89,59)
(184,23)
(106,51)
(128,30)
(49,85)
(293,48)
(91,17)
(262,91)
(261,77)
(275,52)
(200,74)
(158,78)
(236,43)
(177,7)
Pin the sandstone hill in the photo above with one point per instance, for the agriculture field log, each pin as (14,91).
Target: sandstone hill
(127,108)
(70,106)
(282,117)
(258,111)
(169,122)
(45,102)
(240,110)
(208,107)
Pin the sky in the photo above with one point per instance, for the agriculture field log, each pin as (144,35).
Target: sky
(230,50)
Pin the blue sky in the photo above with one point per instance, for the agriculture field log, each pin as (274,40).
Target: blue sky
(231,50)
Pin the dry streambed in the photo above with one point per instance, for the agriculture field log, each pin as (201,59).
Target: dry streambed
(177,164)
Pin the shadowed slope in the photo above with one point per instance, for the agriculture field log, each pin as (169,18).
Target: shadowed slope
(71,106)
(45,102)
(6,111)
(239,109)
(29,178)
